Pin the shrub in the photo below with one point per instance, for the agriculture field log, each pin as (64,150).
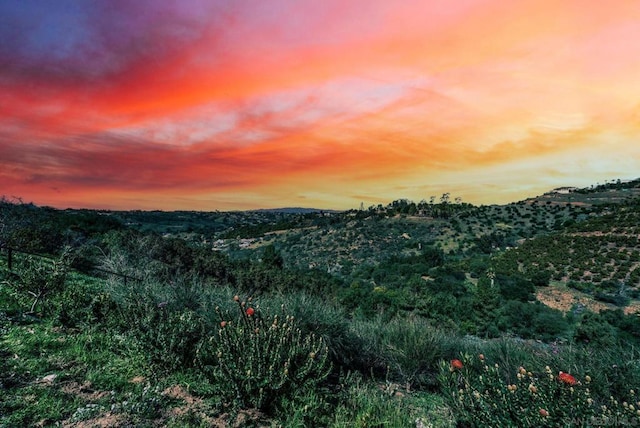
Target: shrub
(159,317)
(404,350)
(257,359)
(480,396)
(39,279)
(316,315)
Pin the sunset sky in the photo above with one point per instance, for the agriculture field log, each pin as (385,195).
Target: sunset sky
(225,105)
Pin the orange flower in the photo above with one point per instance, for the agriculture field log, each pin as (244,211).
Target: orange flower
(456,364)
(250,311)
(544,413)
(567,378)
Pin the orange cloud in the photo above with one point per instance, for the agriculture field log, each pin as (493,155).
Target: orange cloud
(234,105)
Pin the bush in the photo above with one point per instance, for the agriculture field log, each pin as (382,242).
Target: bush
(404,350)
(480,396)
(163,319)
(318,316)
(39,279)
(257,359)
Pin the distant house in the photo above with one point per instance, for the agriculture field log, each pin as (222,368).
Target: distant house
(564,190)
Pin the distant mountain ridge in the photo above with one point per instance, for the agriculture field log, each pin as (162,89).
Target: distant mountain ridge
(295,210)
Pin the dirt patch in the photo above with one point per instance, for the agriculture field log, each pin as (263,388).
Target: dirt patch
(84,391)
(564,299)
(108,420)
(633,308)
(196,405)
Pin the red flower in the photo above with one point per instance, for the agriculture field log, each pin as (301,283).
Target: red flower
(567,378)
(456,364)
(250,311)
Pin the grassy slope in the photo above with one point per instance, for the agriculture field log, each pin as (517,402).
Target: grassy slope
(86,376)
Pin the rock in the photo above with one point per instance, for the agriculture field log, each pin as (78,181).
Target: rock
(49,378)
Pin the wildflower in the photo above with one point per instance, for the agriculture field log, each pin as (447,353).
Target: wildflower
(312,355)
(236,298)
(250,311)
(512,388)
(543,413)
(522,370)
(547,369)
(587,378)
(456,364)
(532,388)
(481,356)
(566,378)
(223,324)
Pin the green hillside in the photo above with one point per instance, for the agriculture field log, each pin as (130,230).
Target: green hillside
(431,313)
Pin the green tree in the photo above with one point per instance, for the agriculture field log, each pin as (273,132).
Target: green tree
(272,258)
(486,301)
